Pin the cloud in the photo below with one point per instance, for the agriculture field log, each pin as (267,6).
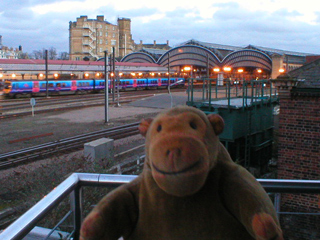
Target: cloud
(231,23)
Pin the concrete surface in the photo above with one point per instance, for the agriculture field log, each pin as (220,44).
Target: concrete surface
(18,133)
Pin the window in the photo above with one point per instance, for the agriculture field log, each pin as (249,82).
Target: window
(50,85)
(64,84)
(100,34)
(113,42)
(43,85)
(106,27)
(107,42)
(113,35)
(100,49)
(106,34)
(100,41)
(100,26)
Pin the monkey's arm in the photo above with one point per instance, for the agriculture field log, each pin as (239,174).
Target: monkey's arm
(246,200)
(113,217)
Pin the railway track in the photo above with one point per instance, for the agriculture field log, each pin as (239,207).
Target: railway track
(17,108)
(19,157)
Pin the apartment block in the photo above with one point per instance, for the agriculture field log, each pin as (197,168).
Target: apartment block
(89,38)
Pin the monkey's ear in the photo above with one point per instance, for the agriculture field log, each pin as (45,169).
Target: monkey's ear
(144,126)
(217,123)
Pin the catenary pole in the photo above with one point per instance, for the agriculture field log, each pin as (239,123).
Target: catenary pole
(106,87)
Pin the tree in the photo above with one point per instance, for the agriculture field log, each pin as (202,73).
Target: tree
(52,53)
(63,56)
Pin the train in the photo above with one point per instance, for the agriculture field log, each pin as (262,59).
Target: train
(30,88)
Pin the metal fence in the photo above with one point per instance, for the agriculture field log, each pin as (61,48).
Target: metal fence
(72,188)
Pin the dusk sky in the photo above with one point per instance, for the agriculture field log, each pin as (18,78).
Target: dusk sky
(282,24)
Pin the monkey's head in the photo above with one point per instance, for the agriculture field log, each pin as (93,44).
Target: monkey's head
(181,148)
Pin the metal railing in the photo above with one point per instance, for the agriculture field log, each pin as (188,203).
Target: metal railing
(73,184)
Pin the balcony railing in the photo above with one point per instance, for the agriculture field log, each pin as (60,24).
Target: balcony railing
(72,187)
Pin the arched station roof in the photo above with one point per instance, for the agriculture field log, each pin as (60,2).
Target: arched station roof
(189,55)
(139,57)
(202,54)
(248,58)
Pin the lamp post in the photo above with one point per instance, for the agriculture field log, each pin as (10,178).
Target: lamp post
(106,87)
(47,82)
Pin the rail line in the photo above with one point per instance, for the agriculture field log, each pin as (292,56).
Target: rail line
(18,108)
(15,158)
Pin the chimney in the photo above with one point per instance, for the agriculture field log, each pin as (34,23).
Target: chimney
(167,42)
(0,40)
(141,42)
(100,18)
(154,42)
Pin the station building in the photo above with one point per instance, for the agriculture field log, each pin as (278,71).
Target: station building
(224,61)
(89,38)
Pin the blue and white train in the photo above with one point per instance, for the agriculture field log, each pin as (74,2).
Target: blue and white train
(25,88)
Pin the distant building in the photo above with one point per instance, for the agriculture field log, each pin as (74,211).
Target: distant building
(89,38)
(9,53)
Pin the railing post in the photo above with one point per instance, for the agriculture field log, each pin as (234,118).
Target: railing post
(277,198)
(76,206)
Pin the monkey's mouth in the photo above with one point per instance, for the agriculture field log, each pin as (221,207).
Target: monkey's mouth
(184,170)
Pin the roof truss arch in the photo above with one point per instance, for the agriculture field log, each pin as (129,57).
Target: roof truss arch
(189,55)
(138,57)
(248,58)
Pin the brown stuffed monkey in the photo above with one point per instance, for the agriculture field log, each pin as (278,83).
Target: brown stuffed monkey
(189,189)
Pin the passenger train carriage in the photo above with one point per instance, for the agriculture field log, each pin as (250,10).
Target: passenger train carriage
(25,88)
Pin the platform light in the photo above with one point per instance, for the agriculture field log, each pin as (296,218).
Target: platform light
(187,68)
(86,75)
(13,75)
(140,74)
(98,74)
(216,69)
(133,74)
(227,69)
(41,75)
(112,74)
(120,74)
(281,70)
(152,74)
(259,71)
(56,75)
(240,70)
(1,75)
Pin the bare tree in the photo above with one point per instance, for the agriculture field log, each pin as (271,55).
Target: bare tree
(52,53)
(63,56)
(37,54)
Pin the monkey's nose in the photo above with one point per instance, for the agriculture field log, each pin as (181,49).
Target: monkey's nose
(173,153)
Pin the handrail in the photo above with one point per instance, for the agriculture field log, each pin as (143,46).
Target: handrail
(23,225)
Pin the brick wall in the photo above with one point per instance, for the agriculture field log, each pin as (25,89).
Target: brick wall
(299,158)
(299,139)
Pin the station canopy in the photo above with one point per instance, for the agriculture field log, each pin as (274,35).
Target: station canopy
(209,55)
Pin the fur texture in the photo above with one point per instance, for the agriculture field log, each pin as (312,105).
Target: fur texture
(189,189)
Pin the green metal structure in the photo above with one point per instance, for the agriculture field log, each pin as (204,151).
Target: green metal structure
(247,109)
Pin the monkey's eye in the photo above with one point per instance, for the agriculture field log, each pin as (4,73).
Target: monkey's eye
(159,128)
(193,125)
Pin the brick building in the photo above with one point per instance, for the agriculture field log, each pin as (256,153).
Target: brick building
(299,151)
(89,38)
